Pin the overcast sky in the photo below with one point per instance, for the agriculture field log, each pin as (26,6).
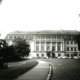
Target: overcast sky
(30,15)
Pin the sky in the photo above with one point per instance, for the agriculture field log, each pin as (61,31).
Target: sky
(30,15)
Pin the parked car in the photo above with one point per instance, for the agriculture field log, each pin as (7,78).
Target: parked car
(64,57)
(45,57)
(59,57)
(76,57)
(28,57)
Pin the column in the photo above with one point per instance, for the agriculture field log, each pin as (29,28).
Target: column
(51,46)
(56,46)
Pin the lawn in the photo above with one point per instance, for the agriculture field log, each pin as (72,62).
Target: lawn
(16,69)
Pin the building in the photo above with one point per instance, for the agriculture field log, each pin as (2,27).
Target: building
(53,43)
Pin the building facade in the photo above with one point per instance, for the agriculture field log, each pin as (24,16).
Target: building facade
(53,43)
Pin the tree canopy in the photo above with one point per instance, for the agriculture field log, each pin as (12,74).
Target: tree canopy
(22,48)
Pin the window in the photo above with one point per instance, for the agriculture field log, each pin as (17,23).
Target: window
(59,55)
(42,55)
(71,48)
(48,37)
(67,55)
(53,48)
(59,37)
(37,55)
(67,42)
(58,48)
(38,37)
(75,54)
(37,48)
(48,48)
(67,48)
(42,37)
(42,48)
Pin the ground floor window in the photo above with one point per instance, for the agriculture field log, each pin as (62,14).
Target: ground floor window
(67,48)
(42,55)
(59,55)
(67,55)
(75,54)
(37,48)
(42,48)
(37,55)
(58,48)
(72,55)
(48,48)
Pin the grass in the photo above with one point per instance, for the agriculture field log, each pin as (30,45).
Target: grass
(16,68)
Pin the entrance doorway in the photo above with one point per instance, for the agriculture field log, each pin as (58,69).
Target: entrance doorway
(53,55)
(50,54)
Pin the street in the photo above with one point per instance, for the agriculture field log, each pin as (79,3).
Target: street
(65,69)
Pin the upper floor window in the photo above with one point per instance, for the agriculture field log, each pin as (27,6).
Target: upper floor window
(42,48)
(67,42)
(59,46)
(42,43)
(59,37)
(48,43)
(48,37)
(37,43)
(67,48)
(48,48)
(71,48)
(53,48)
(37,48)
(38,37)
(42,37)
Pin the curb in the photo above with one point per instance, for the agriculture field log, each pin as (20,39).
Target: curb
(50,72)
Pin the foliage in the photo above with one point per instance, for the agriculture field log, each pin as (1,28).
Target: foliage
(17,68)
(21,47)
(77,39)
(3,52)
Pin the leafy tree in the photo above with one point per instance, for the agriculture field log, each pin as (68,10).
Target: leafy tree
(3,53)
(21,47)
(77,39)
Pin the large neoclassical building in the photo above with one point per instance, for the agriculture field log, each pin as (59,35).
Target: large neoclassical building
(51,43)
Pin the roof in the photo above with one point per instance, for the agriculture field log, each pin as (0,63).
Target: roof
(47,32)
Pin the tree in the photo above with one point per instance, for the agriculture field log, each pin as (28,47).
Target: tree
(21,47)
(77,39)
(3,53)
